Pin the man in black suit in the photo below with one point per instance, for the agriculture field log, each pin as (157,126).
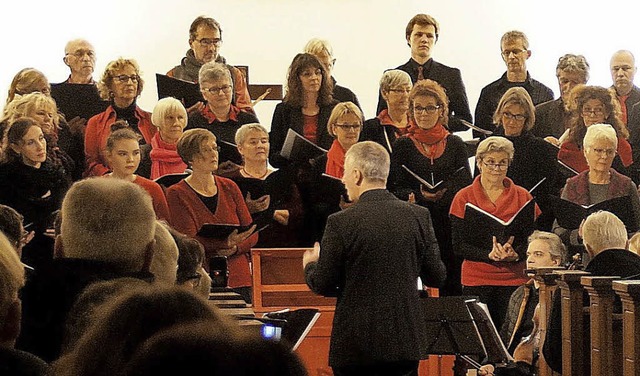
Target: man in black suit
(370,258)
(552,117)
(422,34)
(623,70)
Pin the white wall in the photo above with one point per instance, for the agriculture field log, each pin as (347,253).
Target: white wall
(367,36)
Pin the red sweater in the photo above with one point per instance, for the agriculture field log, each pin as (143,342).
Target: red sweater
(98,130)
(189,213)
(157,196)
(335,160)
(477,273)
(573,156)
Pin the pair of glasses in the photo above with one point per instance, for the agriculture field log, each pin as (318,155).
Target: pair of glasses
(510,116)
(604,152)
(349,127)
(225,89)
(428,109)
(123,78)
(515,52)
(400,90)
(592,111)
(496,166)
(194,279)
(79,54)
(209,42)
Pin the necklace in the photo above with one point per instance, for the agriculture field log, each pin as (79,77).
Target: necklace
(254,176)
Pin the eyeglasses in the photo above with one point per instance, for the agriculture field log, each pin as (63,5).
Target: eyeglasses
(496,166)
(194,279)
(510,116)
(225,89)
(515,52)
(349,127)
(592,111)
(604,152)
(79,54)
(123,78)
(401,90)
(209,42)
(428,109)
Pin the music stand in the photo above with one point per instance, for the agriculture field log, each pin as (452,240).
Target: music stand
(452,330)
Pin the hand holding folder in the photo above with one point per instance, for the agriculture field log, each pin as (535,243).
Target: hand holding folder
(484,227)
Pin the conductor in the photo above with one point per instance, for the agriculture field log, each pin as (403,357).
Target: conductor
(372,255)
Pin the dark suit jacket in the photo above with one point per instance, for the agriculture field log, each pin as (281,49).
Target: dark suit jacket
(632,99)
(451,80)
(633,124)
(550,119)
(286,116)
(371,256)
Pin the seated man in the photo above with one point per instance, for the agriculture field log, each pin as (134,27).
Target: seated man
(605,238)
(12,361)
(107,231)
(552,117)
(205,38)
(515,51)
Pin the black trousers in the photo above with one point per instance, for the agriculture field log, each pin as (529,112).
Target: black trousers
(401,368)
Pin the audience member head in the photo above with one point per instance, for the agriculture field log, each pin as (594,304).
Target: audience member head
(545,250)
(198,149)
(121,82)
(594,105)
(601,231)
(205,38)
(321,49)
(190,259)
(193,347)
(395,86)
(345,124)
(623,70)
(428,104)
(515,112)
(80,57)
(37,106)
(307,76)
(27,81)
(25,142)
(514,47)
(123,324)
(11,226)
(366,165)
(165,256)
(170,117)
(253,143)
(216,86)
(599,147)
(108,220)
(572,70)
(421,34)
(11,281)
(634,243)
(87,306)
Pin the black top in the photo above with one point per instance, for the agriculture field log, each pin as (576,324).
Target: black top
(342,94)
(19,363)
(81,100)
(374,130)
(551,118)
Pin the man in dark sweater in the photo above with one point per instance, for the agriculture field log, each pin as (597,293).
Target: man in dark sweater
(515,51)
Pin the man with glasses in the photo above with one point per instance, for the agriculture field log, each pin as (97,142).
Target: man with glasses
(515,52)
(421,35)
(205,39)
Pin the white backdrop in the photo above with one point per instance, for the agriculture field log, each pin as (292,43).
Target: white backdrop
(367,36)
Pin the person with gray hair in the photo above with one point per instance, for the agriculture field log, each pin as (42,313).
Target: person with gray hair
(220,115)
(393,121)
(491,270)
(353,263)
(107,232)
(623,70)
(605,238)
(514,47)
(600,182)
(552,117)
(321,49)
(170,117)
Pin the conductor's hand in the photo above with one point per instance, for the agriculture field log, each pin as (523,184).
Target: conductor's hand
(432,196)
(236,237)
(311,255)
(257,205)
(486,370)
(198,107)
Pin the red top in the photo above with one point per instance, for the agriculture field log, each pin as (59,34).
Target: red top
(477,273)
(335,160)
(385,119)
(98,130)
(189,213)
(310,128)
(157,196)
(573,156)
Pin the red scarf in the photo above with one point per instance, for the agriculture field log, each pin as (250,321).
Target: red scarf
(430,142)
(335,160)
(164,158)
(385,119)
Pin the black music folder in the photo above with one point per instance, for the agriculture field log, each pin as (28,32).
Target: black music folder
(277,185)
(482,226)
(569,215)
(298,148)
(431,185)
(223,230)
(184,91)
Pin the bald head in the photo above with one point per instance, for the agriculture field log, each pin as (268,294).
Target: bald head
(80,57)
(623,71)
